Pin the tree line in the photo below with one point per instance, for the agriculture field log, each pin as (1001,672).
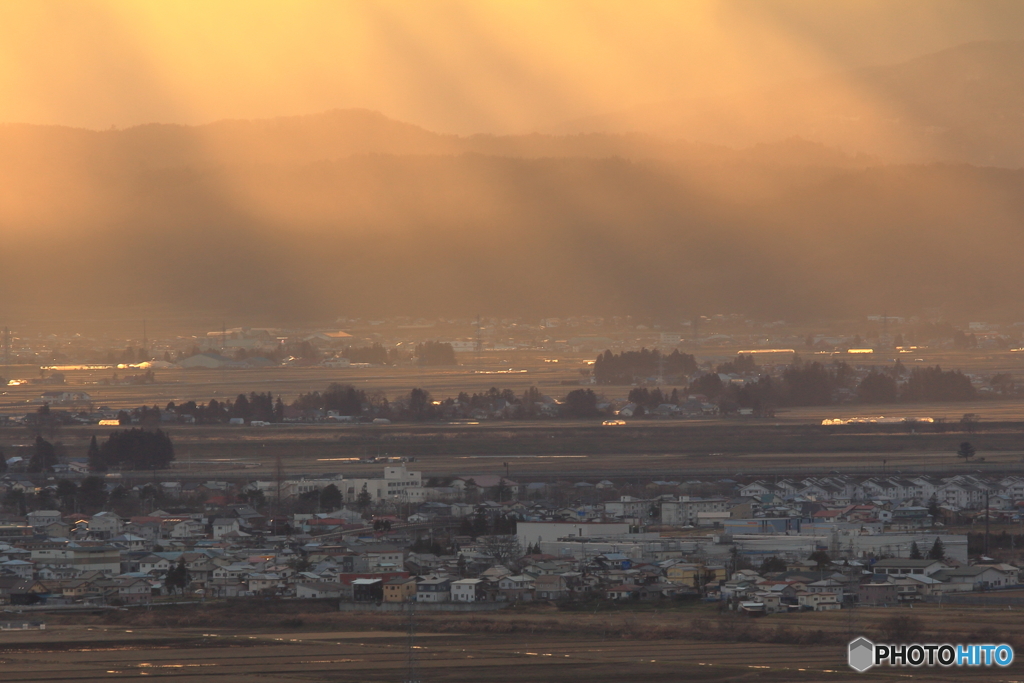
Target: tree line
(630,366)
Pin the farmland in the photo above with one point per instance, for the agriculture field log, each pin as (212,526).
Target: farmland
(314,643)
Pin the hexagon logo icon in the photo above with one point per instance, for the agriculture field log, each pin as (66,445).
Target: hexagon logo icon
(861,655)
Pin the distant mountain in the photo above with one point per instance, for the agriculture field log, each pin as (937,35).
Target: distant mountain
(964,104)
(350,213)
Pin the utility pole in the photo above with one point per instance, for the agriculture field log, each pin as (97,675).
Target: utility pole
(411,676)
(479,340)
(279,473)
(986,521)
(7,346)
(145,340)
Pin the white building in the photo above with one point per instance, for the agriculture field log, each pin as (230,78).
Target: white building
(398,484)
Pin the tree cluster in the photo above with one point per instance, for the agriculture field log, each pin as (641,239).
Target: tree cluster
(375,354)
(933,384)
(629,366)
(652,398)
(133,449)
(435,353)
(343,398)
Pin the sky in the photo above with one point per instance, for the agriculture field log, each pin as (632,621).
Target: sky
(498,66)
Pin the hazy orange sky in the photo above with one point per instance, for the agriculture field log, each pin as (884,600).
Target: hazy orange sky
(464,67)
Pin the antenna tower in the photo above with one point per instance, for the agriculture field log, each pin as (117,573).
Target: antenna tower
(479,340)
(279,474)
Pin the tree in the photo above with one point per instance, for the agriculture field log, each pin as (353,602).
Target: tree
(877,387)
(44,456)
(820,558)
(915,552)
(66,491)
(966,451)
(933,508)
(435,353)
(92,494)
(505,549)
(177,577)
(136,449)
(420,405)
(344,398)
(330,497)
(501,490)
(3,458)
(581,403)
(938,552)
(364,500)
(771,565)
(14,502)
(95,462)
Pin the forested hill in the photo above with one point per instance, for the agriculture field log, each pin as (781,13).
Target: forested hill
(409,222)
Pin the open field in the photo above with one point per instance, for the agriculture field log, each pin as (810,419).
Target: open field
(643,448)
(793,442)
(539,644)
(516,370)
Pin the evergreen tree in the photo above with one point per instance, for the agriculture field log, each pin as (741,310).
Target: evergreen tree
(95,462)
(938,552)
(330,498)
(177,577)
(915,552)
(820,558)
(364,500)
(44,456)
(966,451)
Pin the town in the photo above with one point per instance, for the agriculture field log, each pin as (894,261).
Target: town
(482,542)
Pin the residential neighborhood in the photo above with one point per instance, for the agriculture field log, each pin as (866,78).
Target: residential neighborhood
(757,547)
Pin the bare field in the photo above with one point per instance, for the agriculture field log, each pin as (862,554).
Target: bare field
(539,644)
(792,442)
(583,449)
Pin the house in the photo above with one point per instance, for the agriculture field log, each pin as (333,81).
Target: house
(972,578)
(877,594)
(134,591)
(899,567)
(318,589)
(154,564)
(551,587)
(818,602)
(516,587)
(368,590)
(43,518)
(19,568)
(400,590)
(224,526)
(15,590)
(624,591)
(469,590)
(433,589)
(263,582)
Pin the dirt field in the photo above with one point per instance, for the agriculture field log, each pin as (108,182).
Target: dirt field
(539,644)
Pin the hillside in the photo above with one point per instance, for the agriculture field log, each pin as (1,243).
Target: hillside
(319,217)
(965,104)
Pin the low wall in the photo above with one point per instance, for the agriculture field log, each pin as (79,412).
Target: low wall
(423,606)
